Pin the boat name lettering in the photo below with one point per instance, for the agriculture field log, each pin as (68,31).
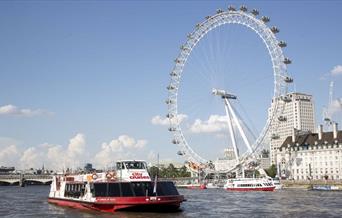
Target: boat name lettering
(138,175)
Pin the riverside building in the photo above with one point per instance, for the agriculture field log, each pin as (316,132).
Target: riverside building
(312,156)
(298,113)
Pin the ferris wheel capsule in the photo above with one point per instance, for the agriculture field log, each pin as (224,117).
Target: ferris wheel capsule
(170,116)
(169,101)
(231,8)
(285,98)
(288,79)
(243,8)
(219,11)
(185,48)
(265,19)
(287,61)
(175,141)
(190,36)
(207,17)
(255,12)
(172,129)
(274,29)
(174,74)
(178,61)
(275,136)
(180,153)
(171,87)
(282,44)
(282,118)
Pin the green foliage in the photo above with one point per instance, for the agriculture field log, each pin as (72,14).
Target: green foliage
(272,171)
(169,172)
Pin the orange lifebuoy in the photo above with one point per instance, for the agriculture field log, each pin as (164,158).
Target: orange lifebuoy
(94,176)
(111,175)
(108,176)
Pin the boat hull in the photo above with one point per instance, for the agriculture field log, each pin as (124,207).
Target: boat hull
(251,189)
(112,204)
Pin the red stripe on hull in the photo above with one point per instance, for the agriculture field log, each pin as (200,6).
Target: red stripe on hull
(196,187)
(251,189)
(111,204)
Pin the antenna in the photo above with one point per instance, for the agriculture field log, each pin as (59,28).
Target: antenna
(326,110)
(331,89)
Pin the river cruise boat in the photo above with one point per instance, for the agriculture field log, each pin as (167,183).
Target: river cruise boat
(276,183)
(129,186)
(249,184)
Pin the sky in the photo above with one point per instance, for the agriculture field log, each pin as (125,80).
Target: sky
(85,81)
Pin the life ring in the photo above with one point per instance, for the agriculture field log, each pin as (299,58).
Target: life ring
(111,175)
(94,176)
(108,176)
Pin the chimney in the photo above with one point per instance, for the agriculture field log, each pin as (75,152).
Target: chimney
(293,135)
(320,132)
(335,130)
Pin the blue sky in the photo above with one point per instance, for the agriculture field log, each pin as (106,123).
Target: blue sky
(94,71)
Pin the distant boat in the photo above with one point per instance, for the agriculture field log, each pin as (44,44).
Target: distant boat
(276,183)
(325,188)
(212,186)
(193,186)
(249,184)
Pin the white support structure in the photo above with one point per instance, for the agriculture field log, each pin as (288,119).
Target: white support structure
(232,119)
(231,131)
(242,133)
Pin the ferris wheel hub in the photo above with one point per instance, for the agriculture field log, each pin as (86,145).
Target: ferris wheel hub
(223,94)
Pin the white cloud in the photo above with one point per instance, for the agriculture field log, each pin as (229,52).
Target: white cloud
(9,155)
(120,148)
(15,111)
(31,158)
(52,156)
(158,120)
(336,71)
(59,157)
(76,146)
(215,123)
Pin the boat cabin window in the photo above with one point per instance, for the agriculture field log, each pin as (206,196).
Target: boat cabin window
(120,166)
(126,189)
(74,190)
(135,165)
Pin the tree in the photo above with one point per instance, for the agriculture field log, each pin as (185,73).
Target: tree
(272,171)
(153,171)
(183,172)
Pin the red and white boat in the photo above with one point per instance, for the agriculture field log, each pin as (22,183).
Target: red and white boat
(127,187)
(249,184)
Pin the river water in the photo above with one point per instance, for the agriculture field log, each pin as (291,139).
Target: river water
(31,201)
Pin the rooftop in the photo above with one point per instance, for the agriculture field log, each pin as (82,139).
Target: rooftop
(311,138)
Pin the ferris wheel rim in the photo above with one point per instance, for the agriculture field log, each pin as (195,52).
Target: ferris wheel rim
(274,50)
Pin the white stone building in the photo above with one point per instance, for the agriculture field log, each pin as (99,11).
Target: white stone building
(312,156)
(298,113)
(227,162)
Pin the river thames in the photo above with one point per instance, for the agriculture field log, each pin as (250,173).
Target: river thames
(31,201)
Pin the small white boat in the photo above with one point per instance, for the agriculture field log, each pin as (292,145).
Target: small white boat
(276,183)
(325,188)
(212,186)
(249,184)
